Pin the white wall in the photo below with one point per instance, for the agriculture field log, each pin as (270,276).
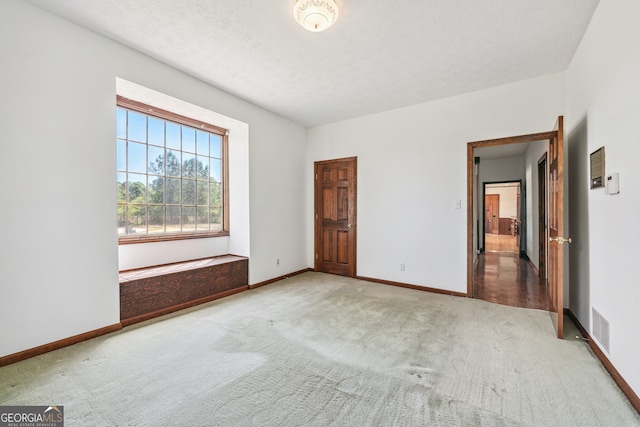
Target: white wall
(501,170)
(535,151)
(412,167)
(60,252)
(508,200)
(603,93)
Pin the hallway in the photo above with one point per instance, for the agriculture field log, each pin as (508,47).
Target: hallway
(505,278)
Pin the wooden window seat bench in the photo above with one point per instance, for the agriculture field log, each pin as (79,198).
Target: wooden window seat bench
(154,291)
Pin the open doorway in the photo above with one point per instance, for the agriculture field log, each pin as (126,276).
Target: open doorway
(554,210)
(502,216)
(506,213)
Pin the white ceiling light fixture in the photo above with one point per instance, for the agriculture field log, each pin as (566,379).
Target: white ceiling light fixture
(315,15)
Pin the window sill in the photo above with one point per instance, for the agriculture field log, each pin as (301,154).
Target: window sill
(152,238)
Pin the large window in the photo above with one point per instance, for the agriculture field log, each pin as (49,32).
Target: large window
(171,175)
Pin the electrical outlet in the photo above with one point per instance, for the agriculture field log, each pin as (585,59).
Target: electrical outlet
(278,262)
(402,266)
(457,204)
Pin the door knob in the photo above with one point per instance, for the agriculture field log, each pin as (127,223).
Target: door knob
(349,225)
(560,240)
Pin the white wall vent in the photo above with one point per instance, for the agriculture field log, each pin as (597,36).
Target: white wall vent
(600,329)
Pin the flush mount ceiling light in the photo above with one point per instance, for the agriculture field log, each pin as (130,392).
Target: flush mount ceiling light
(315,15)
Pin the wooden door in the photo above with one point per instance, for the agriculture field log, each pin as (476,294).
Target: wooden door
(556,228)
(335,216)
(492,213)
(543,239)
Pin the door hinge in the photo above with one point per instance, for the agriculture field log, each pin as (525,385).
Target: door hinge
(316,217)
(316,176)
(316,256)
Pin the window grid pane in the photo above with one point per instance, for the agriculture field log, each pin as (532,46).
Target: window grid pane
(166,190)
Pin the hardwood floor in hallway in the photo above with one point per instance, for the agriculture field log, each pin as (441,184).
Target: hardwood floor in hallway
(500,243)
(505,278)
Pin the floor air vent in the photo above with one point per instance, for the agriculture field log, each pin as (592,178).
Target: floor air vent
(600,329)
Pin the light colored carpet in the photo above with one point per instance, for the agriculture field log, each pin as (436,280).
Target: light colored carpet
(318,350)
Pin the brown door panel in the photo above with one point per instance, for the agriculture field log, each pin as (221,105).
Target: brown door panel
(555,191)
(335,219)
(491,212)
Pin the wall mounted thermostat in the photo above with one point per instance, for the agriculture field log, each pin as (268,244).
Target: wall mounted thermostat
(612,183)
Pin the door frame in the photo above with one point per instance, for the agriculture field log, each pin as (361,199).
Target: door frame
(317,221)
(520,188)
(471,181)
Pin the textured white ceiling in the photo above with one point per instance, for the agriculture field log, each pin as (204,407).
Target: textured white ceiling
(378,56)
